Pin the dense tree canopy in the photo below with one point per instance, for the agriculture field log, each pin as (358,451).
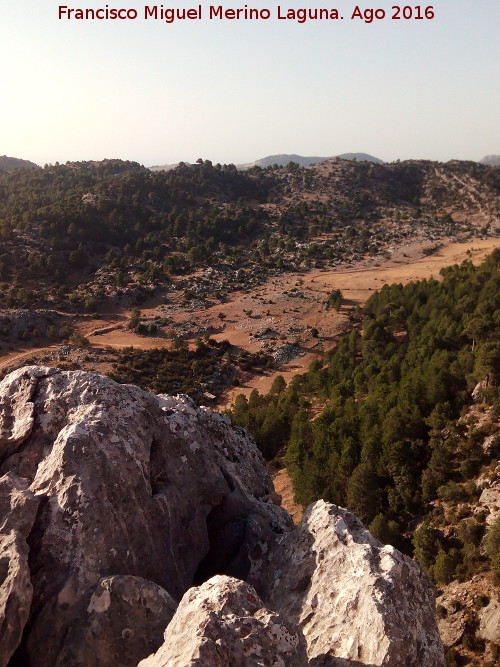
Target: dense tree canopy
(387,442)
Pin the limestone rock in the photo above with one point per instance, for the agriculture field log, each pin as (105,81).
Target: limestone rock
(355,599)
(16,414)
(127,502)
(453,625)
(129,483)
(491,444)
(489,622)
(490,498)
(457,604)
(224,623)
(18,509)
(124,621)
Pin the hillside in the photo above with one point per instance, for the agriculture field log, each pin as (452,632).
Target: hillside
(141,530)
(11,163)
(207,280)
(400,424)
(85,233)
(284,159)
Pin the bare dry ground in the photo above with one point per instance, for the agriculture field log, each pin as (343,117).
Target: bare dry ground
(288,305)
(357,283)
(283,487)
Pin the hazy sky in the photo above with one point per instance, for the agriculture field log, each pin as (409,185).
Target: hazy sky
(234,91)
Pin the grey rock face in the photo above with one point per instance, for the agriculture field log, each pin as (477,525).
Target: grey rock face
(116,503)
(490,498)
(355,599)
(18,509)
(489,622)
(224,623)
(129,484)
(124,621)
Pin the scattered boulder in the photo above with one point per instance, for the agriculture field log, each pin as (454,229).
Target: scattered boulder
(355,599)
(265,333)
(284,354)
(224,623)
(489,622)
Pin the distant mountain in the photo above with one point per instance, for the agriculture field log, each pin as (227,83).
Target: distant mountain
(491,160)
(165,167)
(283,159)
(10,163)
(360,157)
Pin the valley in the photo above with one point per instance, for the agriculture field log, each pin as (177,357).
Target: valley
(284,312)
(289,298)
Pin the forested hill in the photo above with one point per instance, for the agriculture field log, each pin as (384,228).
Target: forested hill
(68,230)
(387,442)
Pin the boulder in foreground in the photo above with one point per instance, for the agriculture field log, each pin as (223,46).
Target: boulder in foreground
(128,484)
(355,599)
(224,623)
(116,503)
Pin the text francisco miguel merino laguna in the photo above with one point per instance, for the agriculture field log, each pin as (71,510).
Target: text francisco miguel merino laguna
(169,14)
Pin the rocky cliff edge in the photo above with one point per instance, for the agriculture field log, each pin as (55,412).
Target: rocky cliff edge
(136,527)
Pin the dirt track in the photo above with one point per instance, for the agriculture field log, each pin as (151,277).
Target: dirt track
(271,309)
(273,306)
(357,284)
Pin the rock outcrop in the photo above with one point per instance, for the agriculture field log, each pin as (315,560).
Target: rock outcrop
(125,618)
(490,497)
(21,323)
(489,622)
(116,503)
(355,599)
(129,483)
(224,623)
(459,613)
(18,508)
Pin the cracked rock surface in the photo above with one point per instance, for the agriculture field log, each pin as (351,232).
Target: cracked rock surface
(137,528)
(354,598)
(18,508)
(223,623)
(127,484)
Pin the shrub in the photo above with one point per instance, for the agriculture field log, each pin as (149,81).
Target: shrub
(444,568)
(79,340)
(452,492)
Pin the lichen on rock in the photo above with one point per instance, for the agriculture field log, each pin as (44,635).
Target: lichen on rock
(224,623)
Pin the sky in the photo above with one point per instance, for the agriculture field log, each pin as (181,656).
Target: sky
(235,91)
